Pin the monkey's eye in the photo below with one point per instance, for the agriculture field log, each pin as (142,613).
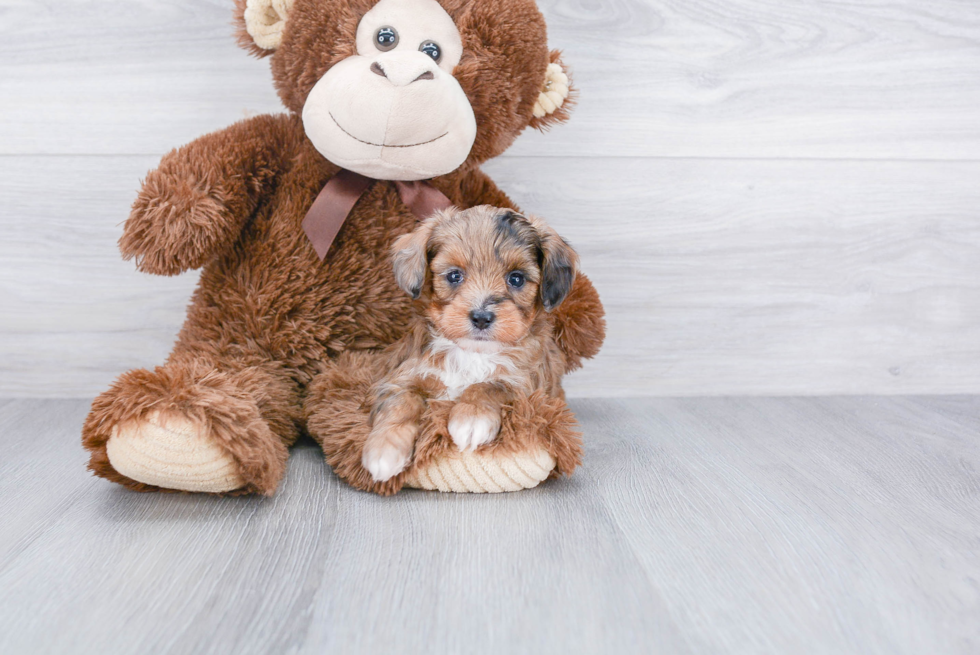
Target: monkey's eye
(454,277)
(432,49)
(386,38)
(516,279)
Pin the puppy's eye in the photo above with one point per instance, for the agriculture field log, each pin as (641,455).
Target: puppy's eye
(454,277)
(432,49)
(386,38)
(516,279)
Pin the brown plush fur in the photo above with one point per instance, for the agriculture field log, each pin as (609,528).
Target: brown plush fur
(267,312)
(505,53)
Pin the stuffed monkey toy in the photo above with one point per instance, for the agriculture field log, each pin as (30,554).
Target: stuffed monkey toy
(392,107)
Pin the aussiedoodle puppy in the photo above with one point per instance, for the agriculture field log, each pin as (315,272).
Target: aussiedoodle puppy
(484,280)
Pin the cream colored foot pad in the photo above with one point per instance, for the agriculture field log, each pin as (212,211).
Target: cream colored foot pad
(172,453)
(473,473)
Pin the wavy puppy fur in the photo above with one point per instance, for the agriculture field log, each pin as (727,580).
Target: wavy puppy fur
(482,344)
(338,416)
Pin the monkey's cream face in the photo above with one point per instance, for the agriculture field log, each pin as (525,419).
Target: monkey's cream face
(394,111)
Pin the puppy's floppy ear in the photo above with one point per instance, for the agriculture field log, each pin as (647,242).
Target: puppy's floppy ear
(559,265)
(409,257)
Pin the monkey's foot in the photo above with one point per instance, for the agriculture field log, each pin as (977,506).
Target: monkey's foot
(174,453)
(472,472)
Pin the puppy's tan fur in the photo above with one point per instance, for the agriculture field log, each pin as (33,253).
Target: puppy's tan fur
(460,265)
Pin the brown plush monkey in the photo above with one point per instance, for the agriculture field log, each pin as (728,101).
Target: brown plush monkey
(394,90)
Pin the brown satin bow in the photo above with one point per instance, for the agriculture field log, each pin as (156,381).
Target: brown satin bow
(339,195)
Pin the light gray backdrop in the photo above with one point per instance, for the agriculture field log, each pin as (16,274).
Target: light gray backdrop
(773,197)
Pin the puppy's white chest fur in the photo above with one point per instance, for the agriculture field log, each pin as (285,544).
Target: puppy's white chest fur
(462,368)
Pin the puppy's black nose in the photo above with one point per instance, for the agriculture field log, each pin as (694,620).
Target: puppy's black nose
(481,318)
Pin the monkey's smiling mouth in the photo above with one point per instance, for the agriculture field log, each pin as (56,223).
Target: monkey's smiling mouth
(382,145)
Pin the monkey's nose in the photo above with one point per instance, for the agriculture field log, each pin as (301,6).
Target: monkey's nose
(402,71)
(481,318)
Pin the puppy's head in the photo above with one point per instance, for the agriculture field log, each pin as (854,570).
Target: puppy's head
(485,273)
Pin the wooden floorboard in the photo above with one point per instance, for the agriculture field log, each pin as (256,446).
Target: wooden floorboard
(692,78)
(772,197)
(736,525)
(719,277)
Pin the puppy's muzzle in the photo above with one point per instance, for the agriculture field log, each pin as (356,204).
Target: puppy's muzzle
(482,319)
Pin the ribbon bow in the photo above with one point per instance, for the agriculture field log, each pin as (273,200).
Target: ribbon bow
(339,195)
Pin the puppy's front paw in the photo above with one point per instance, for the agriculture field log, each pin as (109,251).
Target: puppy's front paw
(384,460)
(471,426)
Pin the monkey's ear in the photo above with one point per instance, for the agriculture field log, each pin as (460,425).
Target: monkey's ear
(556,97)
(559,265)
(410,257)
(260,24)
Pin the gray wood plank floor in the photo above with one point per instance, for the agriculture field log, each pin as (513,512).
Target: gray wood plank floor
(735,525)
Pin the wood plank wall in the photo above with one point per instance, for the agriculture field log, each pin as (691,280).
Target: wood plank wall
(773,197)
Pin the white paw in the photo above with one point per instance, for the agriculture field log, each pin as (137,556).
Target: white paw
(384,462)
(470,432)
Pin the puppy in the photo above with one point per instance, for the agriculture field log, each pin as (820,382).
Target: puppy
(484,280)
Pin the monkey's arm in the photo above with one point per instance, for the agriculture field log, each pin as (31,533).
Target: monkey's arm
(194,205)
(580,320)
